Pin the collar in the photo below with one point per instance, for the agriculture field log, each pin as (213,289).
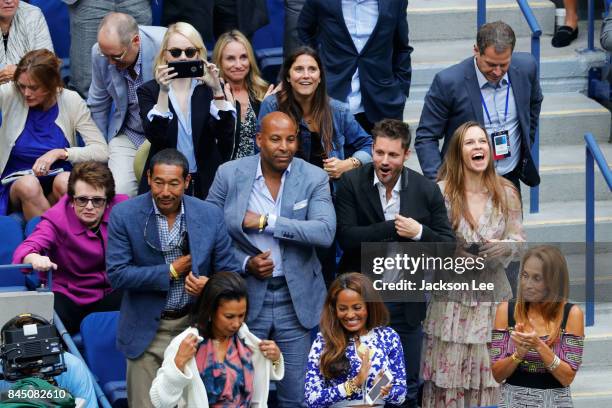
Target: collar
(482,81)
(259,173)
(157,212)
(396,187)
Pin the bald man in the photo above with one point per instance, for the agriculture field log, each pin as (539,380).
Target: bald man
(122,60)
(286,211)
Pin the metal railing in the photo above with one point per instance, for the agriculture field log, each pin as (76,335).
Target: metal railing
(61,329)
(536,33)
(593,155)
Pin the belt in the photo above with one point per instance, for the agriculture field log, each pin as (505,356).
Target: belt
(276,283)
(175,314)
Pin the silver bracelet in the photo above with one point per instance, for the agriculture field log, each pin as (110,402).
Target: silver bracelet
(555,363)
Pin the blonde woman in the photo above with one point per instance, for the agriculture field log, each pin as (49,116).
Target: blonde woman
(234,56)
(191,115)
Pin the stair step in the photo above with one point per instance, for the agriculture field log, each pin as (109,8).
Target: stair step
(592,388)
(451,19)
(562,69)
(564,119)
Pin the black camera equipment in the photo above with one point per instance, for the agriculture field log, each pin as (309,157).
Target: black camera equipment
(30,348)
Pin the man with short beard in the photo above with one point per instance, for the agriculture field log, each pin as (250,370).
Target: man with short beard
(278,209)
(384,201)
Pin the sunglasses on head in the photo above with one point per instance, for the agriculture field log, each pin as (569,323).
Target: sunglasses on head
(97,202)
(189,52)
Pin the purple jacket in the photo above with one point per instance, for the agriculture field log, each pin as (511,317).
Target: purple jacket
(78,252)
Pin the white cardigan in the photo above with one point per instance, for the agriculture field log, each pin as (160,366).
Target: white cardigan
(73,117)
(172,387)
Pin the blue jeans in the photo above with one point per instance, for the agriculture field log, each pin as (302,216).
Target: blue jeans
(277,321)
(411,337)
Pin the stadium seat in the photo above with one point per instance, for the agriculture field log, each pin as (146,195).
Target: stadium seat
(31,225)
(12,235)
(270,61)
(99,332)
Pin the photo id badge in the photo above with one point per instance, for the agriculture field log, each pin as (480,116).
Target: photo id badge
(501,145)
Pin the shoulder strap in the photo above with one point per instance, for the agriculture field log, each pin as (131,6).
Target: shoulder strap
(566,309)
(511,321)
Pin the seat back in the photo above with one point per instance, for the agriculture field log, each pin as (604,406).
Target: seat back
(31,225)
(99,333)
(11,236)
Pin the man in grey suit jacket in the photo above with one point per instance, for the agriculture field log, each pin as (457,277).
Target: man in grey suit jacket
(498,89)
(122,60)
(278,209)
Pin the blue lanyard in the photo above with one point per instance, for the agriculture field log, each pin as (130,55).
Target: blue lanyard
(484,105)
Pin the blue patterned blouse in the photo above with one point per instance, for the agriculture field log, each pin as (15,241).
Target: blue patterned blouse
(385,354)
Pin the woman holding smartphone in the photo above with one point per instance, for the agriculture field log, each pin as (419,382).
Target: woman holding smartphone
(354,350)
(204,135)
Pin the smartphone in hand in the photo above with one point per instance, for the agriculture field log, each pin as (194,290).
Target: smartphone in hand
(187,69)
(374,393)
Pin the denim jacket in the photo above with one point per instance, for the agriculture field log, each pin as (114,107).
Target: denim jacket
(349,139)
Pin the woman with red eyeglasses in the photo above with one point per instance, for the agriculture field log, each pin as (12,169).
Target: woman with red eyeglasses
(71,241)
(190,114)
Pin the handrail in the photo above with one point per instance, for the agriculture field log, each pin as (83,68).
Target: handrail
(536,33)
(593,155)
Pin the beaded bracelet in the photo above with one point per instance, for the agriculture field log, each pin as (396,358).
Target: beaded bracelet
(555,363)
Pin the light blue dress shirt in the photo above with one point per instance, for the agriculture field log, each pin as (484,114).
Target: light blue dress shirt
(184,138)
(360,17)
(261,202)
(494,96)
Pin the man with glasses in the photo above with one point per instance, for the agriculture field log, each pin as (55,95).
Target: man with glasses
(71,239)
(122,60)
(162,247)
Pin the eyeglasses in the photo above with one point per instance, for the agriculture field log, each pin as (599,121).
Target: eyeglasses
(189,52)
(182,243)
(120,57)
(97,202)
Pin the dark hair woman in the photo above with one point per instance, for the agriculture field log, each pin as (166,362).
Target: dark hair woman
(227,366)
(39,132)
(538,341)
(354,348)
(329,135)
(71,239)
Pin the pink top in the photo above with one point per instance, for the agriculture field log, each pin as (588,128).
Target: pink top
(77,251)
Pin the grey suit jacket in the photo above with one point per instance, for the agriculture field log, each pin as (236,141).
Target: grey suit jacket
(299,230)
(108,86)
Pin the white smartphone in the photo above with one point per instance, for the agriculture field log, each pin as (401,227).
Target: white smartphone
(374,393)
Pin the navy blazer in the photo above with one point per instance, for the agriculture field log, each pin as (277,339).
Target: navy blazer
(213,140)
(384,62)
(454,98)
(141,271)
(307,220)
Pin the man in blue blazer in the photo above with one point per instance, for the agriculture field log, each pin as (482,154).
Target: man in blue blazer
(122,60)
(365,51)
(278,209)
(162,246)
(496,88)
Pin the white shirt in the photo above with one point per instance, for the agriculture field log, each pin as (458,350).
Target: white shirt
(391,207)
(261,202)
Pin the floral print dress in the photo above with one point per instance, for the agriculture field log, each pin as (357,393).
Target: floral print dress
(455,364)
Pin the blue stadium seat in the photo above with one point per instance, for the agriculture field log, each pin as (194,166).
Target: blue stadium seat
(270,61)
(99,332)
(31,225)
(12,236)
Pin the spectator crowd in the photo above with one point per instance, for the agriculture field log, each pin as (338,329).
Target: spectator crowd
(224,216)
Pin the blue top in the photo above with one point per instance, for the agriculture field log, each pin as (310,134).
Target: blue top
(349,138)
(39,135)
(386,354)
(184,138)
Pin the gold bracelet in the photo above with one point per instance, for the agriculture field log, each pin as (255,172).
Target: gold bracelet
(516,358)
(262,223)
(173,273)
(356,162)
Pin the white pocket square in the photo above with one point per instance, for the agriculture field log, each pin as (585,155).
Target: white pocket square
(300,204)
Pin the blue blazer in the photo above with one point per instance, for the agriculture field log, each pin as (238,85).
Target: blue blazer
(108,87)
(454,98)
(384,62)
(307,220)
(134,266)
